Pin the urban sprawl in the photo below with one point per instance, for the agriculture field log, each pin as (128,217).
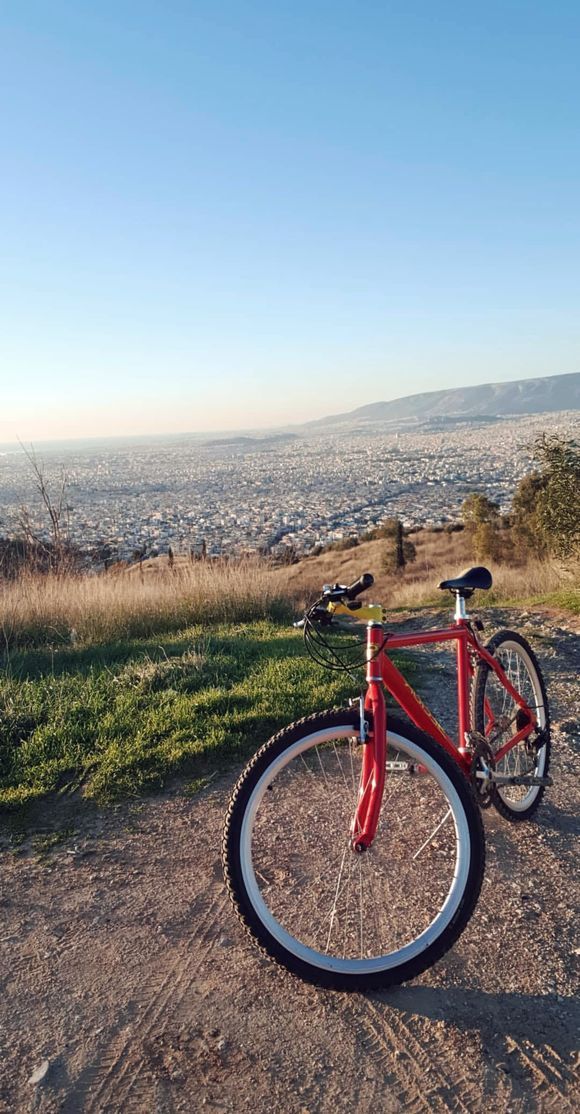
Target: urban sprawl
(269,493)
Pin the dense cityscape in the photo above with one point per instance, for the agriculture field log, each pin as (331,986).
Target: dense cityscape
(271,492)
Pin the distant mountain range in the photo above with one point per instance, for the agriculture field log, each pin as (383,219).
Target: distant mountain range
(244,441)
(491,400)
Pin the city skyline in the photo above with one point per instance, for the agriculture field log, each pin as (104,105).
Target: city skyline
(252,215)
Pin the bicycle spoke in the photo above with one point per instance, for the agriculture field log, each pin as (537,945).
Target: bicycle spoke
(340,764)
(433,834)
(306,766)
(333,910)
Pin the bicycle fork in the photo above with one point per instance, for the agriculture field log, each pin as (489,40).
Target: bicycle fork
(372,780)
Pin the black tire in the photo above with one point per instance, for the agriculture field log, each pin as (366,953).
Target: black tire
(510,801)
(241,852)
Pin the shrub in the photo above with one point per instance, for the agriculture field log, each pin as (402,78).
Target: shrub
(482,520)
(558,499)
(527,526)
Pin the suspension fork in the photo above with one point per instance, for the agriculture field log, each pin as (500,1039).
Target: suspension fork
(372,780)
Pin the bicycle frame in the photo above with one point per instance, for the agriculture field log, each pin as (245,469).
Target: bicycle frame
(383,674)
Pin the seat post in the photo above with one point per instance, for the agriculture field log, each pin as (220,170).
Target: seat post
(463,670)
(460,612)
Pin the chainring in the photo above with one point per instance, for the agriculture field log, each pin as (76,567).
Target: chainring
(483,761)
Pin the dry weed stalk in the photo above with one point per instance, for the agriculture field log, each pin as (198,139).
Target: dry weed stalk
(60,609)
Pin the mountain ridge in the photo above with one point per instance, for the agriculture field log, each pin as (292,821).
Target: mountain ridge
(544,394)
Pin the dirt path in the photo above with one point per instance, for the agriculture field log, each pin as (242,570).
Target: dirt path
(123,966)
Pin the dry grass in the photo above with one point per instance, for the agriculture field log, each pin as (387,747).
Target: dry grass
(439,556)
(134,603)
(532,580)
(40,610)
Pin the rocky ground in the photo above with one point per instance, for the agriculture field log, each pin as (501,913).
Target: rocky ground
(127,985)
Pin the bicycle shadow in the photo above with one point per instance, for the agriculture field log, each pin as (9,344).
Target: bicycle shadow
(554,828)
(556,820)
(530,1038)
(473,1008)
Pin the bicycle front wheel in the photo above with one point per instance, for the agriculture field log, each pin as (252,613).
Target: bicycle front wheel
(325,912)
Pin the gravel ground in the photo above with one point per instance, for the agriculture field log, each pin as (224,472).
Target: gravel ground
(127,985)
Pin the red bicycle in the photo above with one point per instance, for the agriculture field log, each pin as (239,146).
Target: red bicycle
(354,848)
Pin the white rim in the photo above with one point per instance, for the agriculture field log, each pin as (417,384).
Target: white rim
(454,896)
(524,802)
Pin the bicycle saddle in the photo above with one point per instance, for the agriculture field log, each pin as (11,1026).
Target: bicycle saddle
(468,581)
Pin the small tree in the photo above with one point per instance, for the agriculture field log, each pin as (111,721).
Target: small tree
(528,529)
(288,555)
(482,520)
(399,550)
(60,554)
(558,504)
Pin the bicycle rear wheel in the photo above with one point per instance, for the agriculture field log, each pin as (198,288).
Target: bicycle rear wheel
(497,716)
(325,912)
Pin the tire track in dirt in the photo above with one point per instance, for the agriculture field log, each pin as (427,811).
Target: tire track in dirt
(440,1083)
(121,1065)
(423,1085)
(551,1077)
(430,1080)
(207,940)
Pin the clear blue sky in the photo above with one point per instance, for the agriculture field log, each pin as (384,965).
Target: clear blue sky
(215,215)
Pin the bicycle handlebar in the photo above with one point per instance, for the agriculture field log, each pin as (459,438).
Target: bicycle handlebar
(365,581)
(340,598)
(336,593)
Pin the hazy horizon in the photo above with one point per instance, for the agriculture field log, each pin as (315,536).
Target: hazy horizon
(153,434)
(240,215)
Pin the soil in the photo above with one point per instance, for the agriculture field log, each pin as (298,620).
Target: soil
(127,984)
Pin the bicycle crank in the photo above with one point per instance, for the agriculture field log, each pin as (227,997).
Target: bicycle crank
(520,779)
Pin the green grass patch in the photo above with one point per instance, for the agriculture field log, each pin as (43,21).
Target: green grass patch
(567,599)
(48,841)
(564,600)
(115,720)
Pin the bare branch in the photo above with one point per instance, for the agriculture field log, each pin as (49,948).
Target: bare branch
(54,508)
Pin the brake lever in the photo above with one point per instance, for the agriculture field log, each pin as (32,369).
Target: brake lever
(315,615)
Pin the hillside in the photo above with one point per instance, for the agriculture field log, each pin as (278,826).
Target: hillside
(522,396)
(439,555)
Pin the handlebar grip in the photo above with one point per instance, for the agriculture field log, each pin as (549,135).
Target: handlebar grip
(365,581)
